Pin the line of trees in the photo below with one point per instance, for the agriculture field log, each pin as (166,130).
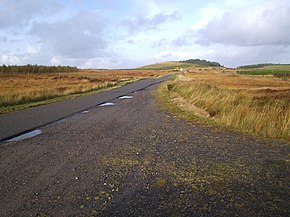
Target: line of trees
(36,69)
(201,62)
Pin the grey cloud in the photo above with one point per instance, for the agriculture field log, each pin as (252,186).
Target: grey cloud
(163,1)
(184,40)
(236,56)
(143,24)
(78,37)
(241,28)
(181,41)
(3,39)
(160,43)
(19,13)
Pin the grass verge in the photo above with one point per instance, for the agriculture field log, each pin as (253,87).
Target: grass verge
(48,98)
(24,90)
(166,99)
(256,112)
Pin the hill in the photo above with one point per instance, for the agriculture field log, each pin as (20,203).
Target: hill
(166,66)
(201,63)
(180,64)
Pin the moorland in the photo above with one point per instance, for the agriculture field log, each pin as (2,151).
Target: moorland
(252,98)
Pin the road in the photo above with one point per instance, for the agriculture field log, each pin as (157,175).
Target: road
(20,122)
(136,159)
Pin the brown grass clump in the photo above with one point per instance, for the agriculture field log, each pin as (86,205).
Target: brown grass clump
(20,89)
(259,105)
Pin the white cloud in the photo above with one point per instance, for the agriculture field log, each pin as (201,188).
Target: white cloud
(231,55)
(80,36)
(240,32)
(107,34)
(149,23)
(20,13)
(33,50)
(207,14)
(9,59)
(169,55)
(261,25)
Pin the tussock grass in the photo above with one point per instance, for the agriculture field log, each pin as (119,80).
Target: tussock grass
(34,95)
(254,109)
(20,90)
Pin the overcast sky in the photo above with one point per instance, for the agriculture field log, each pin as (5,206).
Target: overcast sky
(130,33)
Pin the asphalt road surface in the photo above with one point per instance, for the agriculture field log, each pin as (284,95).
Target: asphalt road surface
(20,122)
(135,159)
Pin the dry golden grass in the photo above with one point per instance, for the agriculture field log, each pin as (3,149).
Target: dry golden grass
(18,89)
(255,104)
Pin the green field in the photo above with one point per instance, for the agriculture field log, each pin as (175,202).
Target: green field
(279,67)
(263,72)
(277,70)
(266,66)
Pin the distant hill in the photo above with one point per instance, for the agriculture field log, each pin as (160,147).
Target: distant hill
(179,64)
(167,66)
(200,62)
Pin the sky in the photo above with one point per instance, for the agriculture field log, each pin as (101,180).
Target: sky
(132,33)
